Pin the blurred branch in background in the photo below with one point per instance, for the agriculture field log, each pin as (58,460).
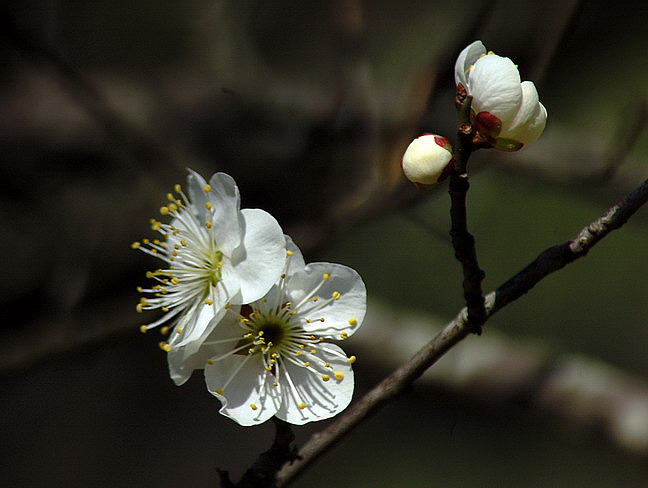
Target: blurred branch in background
(549,261)
(131,143)
(583,393)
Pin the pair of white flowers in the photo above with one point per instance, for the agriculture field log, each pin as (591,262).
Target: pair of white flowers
(239,301)
(505,111)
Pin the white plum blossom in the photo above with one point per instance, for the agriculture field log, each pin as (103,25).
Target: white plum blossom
(274,357)
(426,159)
(213,253)
(505,111)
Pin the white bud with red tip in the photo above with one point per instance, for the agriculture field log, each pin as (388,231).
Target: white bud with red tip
(427,159)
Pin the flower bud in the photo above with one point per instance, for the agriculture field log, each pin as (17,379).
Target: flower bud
(506,112)
(427,159)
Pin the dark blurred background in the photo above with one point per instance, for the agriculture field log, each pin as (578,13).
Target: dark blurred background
(309,105)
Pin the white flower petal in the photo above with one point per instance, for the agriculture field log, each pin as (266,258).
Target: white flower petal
(466,58)
(199,319)
(185,357)
(250,398)
(296,261)
(197,195)
(226,203)
(531,118)
(341,316)
(495,86)
(257,263)
(322,399)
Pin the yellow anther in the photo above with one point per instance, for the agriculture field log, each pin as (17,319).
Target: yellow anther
(322,319)
(307,364)
(302,346)
(260,333)
(274,355)
(210,362)
(344,335)
(220,392)
(335,295)
(145,241)
(326,276)
(165,309)
(313,351)
(170,197)
(157,241)
(273,361)
(491,52)
(269,368)
(139,308)
(156,225)
(143,329)
(208,205)
(165,347)
(183,242)
(140,289)
(251,350)
(164,210)
(293,312)
(135,245)
(297,353)
(289,253)
(207,188)
(208,224)
(353,322)
(227,306)
(351,359)
(177,188)
(175,280)
(179,330)
(274,383)
(314,299)
(283,276)
(327,365)
(338,375)
(326,377)
(154,251)
(173,207)
(209,301)
(164,330)
(302,406)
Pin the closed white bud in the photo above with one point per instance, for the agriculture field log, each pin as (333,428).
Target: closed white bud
(426,159)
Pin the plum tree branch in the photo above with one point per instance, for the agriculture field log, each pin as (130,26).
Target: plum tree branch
(457,329)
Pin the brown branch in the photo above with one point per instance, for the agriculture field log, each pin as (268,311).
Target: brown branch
(457,329)
(263,471)
(463,242)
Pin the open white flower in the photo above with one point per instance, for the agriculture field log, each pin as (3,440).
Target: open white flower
(213,253)
(274,357)
(506,112)
(426,159)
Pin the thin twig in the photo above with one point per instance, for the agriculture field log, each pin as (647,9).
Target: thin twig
(463,242)
(457,329)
